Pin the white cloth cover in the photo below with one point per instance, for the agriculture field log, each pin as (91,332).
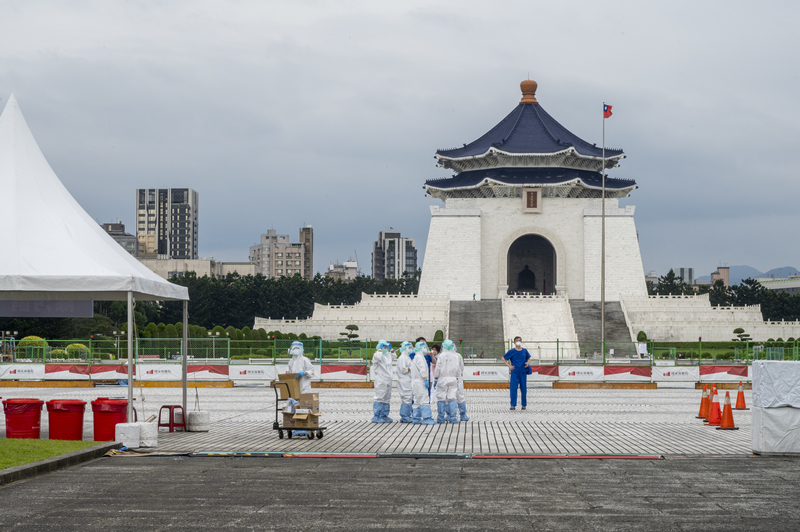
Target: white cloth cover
(382,375)
(404,363)
(52,249)
(128,434)
(198,421)
(148,434)
(776,384)
(300,363)
(776,430)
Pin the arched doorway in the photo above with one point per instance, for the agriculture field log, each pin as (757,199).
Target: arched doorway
(531,265)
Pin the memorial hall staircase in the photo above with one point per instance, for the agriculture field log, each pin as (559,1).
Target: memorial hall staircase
(586,317)
(480,325)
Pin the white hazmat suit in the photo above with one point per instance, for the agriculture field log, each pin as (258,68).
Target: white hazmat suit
(305,372)
(404,364)
(421,378)
(448,369)
(301,365)
(382,373)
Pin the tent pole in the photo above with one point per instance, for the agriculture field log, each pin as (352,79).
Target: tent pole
(130,357)
(185,352)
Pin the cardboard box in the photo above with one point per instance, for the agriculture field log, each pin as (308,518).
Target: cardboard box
(294,385)
(309,401)
(300,421)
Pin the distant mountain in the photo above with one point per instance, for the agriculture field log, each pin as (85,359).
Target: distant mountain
(740,273)
(781,273)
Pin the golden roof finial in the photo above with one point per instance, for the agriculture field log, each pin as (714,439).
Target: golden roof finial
(528,91)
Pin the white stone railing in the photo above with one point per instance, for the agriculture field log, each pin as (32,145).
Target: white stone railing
(560,297)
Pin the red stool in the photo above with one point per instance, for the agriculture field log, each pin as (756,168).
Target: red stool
(171,423)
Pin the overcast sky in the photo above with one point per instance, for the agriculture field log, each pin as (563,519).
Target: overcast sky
(282,114)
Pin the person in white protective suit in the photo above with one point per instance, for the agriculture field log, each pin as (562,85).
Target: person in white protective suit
(404,363)
(302,366)
(382,372)
(305,372)
(447,371)
(461,399)
(421,384)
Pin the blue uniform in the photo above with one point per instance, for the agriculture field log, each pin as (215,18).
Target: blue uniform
(519,375)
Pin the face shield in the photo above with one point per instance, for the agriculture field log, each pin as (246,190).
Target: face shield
(296,349)
(384,346)
(448,345)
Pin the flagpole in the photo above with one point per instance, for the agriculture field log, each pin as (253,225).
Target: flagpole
(603,245)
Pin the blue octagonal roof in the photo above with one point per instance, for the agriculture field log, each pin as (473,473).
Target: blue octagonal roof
(528,129)
(530,176)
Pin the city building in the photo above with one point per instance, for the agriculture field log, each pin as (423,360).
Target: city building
(651,277)
(724,273)
(393,255)
(789,285)
(167,222)
(346,271)
(167,268)
(128,241)
(685,274)
(276,256)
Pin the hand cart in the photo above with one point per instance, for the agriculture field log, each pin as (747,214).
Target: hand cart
(277,425)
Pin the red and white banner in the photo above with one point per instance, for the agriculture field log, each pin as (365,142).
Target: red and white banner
(22,371)
(158,372)
(543,373)
(627,373)
(67,372)
(252,372)
(206,372)
(101,372)
(675,374)
(487,373)
(724,373)
(343,372)
(581,373)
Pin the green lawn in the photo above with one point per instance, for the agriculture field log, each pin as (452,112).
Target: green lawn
(18,452)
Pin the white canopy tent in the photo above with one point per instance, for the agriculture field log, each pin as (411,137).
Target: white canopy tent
(51,249)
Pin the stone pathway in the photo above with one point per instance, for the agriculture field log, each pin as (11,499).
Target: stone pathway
(557,422)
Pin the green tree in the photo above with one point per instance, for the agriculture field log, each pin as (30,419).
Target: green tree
(672,284)
(741,335)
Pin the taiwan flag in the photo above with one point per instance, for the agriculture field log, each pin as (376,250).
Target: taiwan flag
(606,110)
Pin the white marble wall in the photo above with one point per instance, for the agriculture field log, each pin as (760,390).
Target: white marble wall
(686,318)
(452,263)
(396,317)
(469,240)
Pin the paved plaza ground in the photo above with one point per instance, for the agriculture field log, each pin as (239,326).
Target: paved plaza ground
(183,493)
(705,479)
(558,422)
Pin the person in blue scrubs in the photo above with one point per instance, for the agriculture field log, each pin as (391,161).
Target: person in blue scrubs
(517,361)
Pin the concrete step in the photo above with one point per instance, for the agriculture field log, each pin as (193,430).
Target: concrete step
(586,317)
(479,324)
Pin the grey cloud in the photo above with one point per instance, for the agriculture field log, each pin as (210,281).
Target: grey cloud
(329,113)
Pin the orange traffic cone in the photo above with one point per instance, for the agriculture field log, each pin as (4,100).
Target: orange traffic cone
(727,415)
(703,403)
(707,412)
(715,416)
(740,399)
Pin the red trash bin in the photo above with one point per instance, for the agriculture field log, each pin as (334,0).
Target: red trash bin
(107,413)
(23,418)
(66,419)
